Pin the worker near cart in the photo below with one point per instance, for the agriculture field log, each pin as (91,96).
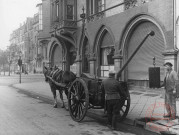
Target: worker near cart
(171,90)
(111,87)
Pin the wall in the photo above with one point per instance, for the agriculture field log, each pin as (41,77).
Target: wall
(117,10)
(160,10)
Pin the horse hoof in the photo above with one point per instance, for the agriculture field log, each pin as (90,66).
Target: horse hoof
(62,106)
(55,106)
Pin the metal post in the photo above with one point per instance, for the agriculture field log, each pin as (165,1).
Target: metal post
(20,75)
(20,65)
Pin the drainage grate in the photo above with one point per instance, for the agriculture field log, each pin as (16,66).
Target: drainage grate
(136,93)
(151,95)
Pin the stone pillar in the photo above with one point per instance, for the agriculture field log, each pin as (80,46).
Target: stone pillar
(92,67)
(78,65)
(118,64)
(92,60)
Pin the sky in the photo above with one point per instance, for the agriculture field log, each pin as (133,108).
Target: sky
(12,14)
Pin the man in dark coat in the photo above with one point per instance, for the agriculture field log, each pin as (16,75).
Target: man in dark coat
(171,90)
(112,97)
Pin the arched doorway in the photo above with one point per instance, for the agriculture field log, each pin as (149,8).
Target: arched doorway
(57,56)
(105,53)
(137,70)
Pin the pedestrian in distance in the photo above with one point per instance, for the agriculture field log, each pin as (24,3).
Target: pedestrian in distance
(113,99)
(171,84)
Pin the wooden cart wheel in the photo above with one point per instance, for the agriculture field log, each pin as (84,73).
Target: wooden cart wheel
(78,100)
(125,107)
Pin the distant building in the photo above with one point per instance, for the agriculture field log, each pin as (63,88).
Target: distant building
(43,37)
(17,38)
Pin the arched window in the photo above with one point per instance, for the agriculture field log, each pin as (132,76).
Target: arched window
(85,56)
(106,54)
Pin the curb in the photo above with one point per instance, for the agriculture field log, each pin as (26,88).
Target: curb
(98,115)
(158,127)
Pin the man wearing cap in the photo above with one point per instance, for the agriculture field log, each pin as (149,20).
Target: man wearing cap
(171,85)
(112,97)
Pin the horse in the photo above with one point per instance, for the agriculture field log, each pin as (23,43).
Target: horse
(55,76)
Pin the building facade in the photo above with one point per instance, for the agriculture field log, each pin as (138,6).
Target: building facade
(108,35)
(95,36)
(44,36)
(32,39)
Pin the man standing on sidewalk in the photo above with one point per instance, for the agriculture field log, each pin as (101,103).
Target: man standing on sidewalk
(171,88)
(112,97)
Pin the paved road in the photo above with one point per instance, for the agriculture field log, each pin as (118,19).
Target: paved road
(23,113)
(13,79)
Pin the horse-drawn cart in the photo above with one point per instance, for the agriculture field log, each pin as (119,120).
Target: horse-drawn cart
(85,92)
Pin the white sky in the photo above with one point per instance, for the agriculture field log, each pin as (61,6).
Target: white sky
(12,13)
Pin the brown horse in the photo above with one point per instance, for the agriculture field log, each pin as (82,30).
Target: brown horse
(58,80)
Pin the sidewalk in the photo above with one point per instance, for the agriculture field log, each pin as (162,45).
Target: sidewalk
(146,108)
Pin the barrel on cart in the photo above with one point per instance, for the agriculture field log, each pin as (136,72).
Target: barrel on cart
(85,92)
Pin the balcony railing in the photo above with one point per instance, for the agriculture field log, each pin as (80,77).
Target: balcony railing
(65,24)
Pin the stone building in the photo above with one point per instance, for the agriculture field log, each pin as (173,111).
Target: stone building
(43,37)
(17,38)
(62,48)
(95,36)
(32,39)
(112,30)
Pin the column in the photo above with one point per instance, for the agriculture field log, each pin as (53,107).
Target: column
(118,64)
(92,60)
(78,65)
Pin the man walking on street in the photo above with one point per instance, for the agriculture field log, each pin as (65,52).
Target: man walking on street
(112,97)
(171,87)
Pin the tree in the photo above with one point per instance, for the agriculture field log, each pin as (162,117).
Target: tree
(3,59)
